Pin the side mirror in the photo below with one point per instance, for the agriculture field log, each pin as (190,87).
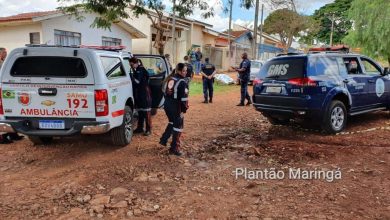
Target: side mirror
(386,71)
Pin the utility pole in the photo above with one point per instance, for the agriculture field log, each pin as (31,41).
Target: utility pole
(229,29)
(254,42)
(261,26)
(173,33)
(332,30)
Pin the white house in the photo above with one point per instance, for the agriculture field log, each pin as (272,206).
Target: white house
(56,28)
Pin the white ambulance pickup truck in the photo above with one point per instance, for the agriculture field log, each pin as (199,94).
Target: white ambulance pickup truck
(49,91)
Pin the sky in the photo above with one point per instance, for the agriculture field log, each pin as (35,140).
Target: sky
(219,21)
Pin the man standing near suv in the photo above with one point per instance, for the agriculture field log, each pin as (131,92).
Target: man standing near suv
(243,75)
(143,98)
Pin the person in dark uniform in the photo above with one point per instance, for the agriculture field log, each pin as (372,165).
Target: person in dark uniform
(175,106)
(208,72)
(190,69)
(142,96)
(244,74)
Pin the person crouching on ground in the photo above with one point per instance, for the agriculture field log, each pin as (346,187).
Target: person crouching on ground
(175,106)
(208,72)
(142,96)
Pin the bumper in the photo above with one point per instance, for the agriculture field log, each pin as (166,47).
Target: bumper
(291,107)
(79,127)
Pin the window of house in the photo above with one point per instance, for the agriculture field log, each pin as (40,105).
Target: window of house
(35,38)
(110,41)
(67,38)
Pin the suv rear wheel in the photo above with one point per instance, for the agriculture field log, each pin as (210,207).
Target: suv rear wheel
(335,117)
(121,136)
(40,140)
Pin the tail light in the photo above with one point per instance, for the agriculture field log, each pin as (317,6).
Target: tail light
(101,102)
(1,103)
(257,81)
(302,82)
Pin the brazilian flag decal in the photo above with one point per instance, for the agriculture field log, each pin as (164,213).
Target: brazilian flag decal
(8,94)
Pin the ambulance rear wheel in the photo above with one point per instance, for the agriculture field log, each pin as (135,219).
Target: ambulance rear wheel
(122,135)
(41,140)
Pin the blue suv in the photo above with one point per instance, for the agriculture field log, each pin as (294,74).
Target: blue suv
(322,88)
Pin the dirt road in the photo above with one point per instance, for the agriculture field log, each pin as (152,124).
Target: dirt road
(85,178)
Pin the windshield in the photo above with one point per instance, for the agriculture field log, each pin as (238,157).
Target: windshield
(283,68)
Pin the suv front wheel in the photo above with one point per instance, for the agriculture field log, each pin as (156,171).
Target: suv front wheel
(121,136)
(335,118)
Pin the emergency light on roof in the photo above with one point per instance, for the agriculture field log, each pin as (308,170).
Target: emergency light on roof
(339,48)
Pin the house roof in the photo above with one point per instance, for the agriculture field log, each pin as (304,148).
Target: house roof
(238,33)
(26,16)
(44,15)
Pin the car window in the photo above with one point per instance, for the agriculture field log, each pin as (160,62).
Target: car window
(370,68)
(353,65)
(112,67)
(327,66)
(283,68)
(154,65)
(342,68)
(69,67)
(256,65)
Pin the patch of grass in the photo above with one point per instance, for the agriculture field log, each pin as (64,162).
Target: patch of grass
(196,87)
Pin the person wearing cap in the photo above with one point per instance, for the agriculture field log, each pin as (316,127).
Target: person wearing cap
(208,72)
(244,75)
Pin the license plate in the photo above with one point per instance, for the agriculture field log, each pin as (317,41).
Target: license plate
(51,124)
(273,89)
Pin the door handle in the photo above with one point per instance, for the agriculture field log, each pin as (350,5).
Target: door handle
(371,81)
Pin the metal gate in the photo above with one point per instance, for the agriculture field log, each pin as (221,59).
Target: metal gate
(214,54)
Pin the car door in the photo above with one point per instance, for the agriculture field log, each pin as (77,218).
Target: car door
(357,84)
(158,70)
(379,86)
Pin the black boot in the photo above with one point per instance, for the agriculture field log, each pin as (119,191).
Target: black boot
(211,100)
(175,152)
(138,130)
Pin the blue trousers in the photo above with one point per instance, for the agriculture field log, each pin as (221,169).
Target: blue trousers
(244,92)
(208,88)
(198,66)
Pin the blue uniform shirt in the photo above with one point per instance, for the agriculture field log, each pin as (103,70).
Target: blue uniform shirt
(244,75)
(208,68)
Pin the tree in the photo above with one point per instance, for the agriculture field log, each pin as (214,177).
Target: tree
(285,23)
(310,33)
(110,11)
(323,16)
(371,29)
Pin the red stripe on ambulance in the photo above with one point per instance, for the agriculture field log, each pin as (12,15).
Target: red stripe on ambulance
(118,113)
